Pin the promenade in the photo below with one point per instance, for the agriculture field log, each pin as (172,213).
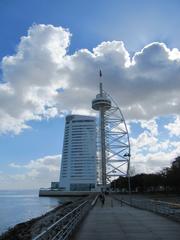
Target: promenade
(116,222)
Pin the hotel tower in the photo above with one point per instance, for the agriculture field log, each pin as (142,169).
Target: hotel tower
(78,166)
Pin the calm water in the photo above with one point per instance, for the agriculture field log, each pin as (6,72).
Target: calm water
(22,205)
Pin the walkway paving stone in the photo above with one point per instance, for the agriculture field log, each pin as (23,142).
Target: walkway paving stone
(113,222)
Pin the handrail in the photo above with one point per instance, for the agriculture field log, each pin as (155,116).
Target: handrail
(154,206)
(151,205)
(95,200)
(63,227)
(59,221)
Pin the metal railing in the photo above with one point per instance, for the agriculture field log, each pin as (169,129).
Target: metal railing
(63,228)
(154,206)
(159,207)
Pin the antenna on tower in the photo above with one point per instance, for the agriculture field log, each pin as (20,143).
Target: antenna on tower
(100,73)
(100,84)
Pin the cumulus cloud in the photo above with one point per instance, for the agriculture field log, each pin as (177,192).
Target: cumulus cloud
(42,80)
(48,162)
(152,154)
(31,79)
(35,174)
(150,125)
(174,127)
(144,140)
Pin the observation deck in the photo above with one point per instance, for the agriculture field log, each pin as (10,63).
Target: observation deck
(101,102)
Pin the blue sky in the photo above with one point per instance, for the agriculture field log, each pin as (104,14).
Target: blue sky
(30,136)
(137,22)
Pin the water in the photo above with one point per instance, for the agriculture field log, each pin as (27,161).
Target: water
(22,205)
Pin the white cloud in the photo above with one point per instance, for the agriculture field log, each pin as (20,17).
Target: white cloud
(145,139)
(31,77)
(42,80)
(150,154)
(150,125)
(151,162)
(174,127)
(49,162)
(35,174)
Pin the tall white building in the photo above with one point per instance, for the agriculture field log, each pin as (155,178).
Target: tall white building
(78,166)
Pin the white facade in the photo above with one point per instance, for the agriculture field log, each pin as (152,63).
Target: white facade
(78,166)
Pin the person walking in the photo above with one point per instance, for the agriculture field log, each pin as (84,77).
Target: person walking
(102,199)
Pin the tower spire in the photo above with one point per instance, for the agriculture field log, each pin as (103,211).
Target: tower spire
(100,84)
(113,139)
(100,73)
(101,103)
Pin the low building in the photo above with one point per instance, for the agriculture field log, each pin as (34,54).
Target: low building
(54,185)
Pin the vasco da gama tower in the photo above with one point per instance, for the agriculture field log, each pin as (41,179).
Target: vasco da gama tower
(89,160)
(78,166)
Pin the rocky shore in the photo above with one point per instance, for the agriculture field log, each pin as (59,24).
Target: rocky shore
(28,230)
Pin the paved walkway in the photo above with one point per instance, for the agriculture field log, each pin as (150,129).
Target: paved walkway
(112,222)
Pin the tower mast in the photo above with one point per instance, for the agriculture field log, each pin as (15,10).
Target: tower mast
(101,103)
(114,148)
(102,135)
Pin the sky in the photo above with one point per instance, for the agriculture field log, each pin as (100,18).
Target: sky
(51,52)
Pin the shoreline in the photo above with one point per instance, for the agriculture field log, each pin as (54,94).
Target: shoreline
(28,229)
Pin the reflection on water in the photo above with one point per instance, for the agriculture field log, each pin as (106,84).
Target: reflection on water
(22,205)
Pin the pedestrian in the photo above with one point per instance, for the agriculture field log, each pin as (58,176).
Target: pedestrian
(102,199)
